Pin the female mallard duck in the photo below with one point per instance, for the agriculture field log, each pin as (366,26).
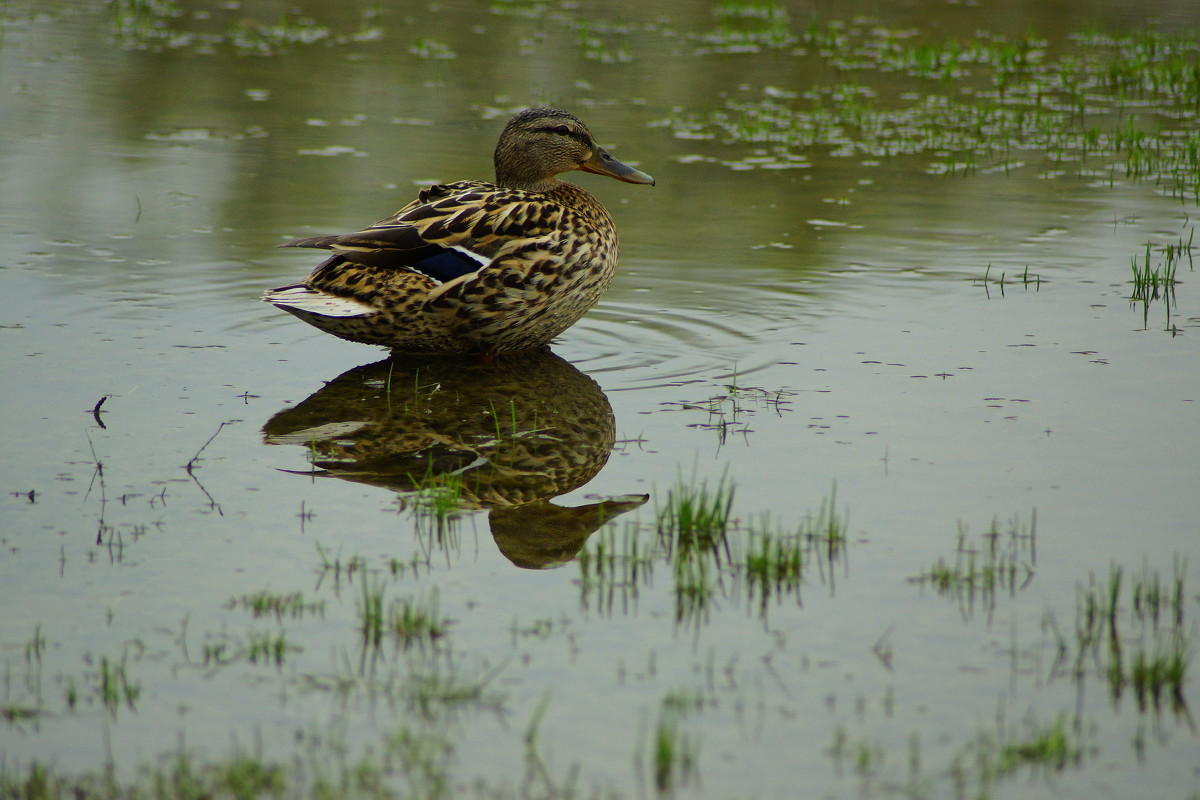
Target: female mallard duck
(475,267)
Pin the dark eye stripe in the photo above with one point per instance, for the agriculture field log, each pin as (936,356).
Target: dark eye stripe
(563,130)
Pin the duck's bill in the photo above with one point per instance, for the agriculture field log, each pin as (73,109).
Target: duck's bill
(601,163)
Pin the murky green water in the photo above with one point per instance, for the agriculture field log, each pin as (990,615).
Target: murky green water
(842,278)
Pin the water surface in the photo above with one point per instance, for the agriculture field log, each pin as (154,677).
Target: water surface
(944,334)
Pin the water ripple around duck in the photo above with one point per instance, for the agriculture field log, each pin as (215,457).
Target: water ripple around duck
(682,335)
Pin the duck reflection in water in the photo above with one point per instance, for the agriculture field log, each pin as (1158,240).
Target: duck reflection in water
(517,431)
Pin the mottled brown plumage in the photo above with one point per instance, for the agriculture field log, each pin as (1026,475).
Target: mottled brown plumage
(475,267)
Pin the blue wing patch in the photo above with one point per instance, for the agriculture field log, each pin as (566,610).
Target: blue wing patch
(448,263)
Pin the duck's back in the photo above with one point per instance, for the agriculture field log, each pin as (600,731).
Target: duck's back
(512,268)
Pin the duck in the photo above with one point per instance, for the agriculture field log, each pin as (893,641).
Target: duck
(475,267)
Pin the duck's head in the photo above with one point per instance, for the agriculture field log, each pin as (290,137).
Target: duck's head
(540,143)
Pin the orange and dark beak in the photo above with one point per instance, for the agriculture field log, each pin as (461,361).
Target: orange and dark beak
(601,163)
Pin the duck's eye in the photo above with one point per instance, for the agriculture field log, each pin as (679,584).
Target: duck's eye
(563,130)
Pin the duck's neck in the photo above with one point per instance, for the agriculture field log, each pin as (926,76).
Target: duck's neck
(529,181)
(542,185)
(516,170)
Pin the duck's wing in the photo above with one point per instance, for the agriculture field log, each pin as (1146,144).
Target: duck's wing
(449,231)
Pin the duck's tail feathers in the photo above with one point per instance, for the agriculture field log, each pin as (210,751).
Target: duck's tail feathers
(324,242)
(300,298)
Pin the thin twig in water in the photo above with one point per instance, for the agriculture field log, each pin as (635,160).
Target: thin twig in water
(191,464)
(212,503)
(98,474)
(883,648)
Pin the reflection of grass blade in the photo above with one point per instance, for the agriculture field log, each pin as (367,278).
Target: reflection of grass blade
(436,505)
(693,585)
(775,560)
(675,751)
(692,528)
(1001,562)
(416,619)
(1050,746)
(438,691)
(370,610)
(1136,638)
(115,685)
(614,567)
(1159,670)
(267,603)
(268,648)
(437,495)
(827,527)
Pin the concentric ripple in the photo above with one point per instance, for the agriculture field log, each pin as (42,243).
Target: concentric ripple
(676,327)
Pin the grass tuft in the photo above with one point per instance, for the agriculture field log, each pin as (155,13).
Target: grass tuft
(1003,562)
(416,620)
(675,752)
(695,516)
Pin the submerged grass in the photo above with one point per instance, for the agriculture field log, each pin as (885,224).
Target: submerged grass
(1150,283)
(1042,746)
(166,25)
(267,603)
(416,620)
(674,751)
(730,409)
(1138,638)
(692,527)
(370,610)
(268,647)
(1146,610)
(977,768)
(115,687)
(1155,276)
(748,26)
(695,516)
(413,763)
(180,778)
(1117,107)
(614,568)
(436,506)
(775,562)
(412,620)
(709,551)
(439,690)
(438,496)
(1003,562)
(696,578)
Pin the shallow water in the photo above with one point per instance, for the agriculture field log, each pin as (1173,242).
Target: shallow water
(786,319)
